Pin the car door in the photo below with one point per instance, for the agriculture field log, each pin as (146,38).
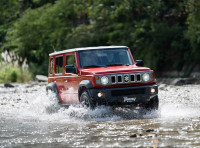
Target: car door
(71,79)
(51,70)
(59,72)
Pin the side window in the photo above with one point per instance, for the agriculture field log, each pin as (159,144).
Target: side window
(70,64)
(59,65)
(51,66)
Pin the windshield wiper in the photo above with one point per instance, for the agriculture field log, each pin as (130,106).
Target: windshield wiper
(91,66)
(118,65)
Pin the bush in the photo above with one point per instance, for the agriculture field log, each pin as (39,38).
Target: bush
(12,73)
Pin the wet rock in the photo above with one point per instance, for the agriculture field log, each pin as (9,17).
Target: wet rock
(178,81)
(162,86)
(8,85)
(41,78)
(43,83)
(183,81)
(136,135)
(32,84)
(191,80)
(152,135)
(15,91)
(161,81)
(140,130)
(133,136)
(149,130)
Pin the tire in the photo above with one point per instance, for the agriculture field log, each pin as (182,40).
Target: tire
(54,104)
(153,104)
(49,90)
(86,101)
(56,95)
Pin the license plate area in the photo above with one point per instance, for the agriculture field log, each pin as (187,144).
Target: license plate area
(129,99)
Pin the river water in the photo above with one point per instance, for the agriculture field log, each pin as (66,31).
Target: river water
(30,118)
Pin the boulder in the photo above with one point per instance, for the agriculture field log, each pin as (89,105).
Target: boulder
(191,80)
(8,85)
(183,81)
(133,136)
(162,86)
(178,81)
(149,130)
(41,78)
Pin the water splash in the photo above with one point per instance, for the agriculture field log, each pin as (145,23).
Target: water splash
(33,102)
(180,101)
(29,116)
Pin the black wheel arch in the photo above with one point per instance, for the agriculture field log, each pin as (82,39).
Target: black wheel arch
(84,85)
(153,104)
(53,87)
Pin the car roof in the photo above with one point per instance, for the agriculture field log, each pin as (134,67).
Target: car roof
(85,48)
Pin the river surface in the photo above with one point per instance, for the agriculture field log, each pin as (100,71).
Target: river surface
(30,118)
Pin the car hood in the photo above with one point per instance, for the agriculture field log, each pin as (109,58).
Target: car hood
(114,70)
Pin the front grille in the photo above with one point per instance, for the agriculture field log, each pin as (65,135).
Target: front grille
(119,79)
(132,78)
(138,77)
(125,78)
(113,80)
(127,92)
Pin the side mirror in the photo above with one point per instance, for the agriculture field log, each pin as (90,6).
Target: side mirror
(70,69)
(139,63)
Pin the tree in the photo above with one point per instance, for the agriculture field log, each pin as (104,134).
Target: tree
(9,11)
(40,30)
(155,30)
(193,34)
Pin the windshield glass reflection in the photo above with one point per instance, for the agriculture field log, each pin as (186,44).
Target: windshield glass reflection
(104,58)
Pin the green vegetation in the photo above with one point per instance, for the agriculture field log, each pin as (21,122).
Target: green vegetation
(164,33)
(12,73)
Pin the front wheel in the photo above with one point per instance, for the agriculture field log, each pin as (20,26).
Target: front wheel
(53,105)
(153,104)
(85,100)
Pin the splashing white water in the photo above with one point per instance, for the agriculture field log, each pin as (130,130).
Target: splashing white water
(23,102)
(33,102)
(30,117)
(180,101)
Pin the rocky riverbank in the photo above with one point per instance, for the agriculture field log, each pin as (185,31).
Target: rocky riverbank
(178,81)
(30,118)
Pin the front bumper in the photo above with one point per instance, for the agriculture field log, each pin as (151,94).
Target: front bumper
(124,95)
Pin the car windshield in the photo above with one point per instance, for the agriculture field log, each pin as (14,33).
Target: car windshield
(104,58)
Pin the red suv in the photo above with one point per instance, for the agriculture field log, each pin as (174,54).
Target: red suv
(106,75)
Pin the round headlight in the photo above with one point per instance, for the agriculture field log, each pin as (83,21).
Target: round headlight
(146,77)
(104,80)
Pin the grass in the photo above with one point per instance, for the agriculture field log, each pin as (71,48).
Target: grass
(14,73)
